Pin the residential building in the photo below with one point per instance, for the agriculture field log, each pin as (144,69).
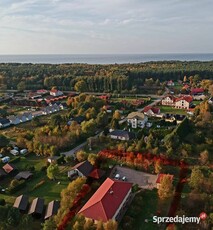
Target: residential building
(137,120)
(151,111)
(56,93)
(14,120)
(36,207)
(168,100)
(110,201)
(24,175)
(81,169)
(121,135)
(9,168)
(184,102)
(4,122)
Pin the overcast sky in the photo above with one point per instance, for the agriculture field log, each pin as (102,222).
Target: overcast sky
(105,26)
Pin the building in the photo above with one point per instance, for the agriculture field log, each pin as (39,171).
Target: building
(81,169)
(137,120)
(121,135)
(109,201)
(4,122)
(197,91)
(37,207)
(14,120)
(184,102)
(170,83)
(24,175)
(151,111)
(52,209)
(9,168)
(168,100)
(21,203)
(160,176)
(55,93)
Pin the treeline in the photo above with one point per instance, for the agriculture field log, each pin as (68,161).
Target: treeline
(102,78)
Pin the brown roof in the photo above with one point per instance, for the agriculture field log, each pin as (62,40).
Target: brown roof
(21,202)
(96,173)
(8,168)
(137,115)
(52,208)
(36,206)
(84,167)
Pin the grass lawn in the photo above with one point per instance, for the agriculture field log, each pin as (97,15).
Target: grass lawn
(170,109)
(49,190)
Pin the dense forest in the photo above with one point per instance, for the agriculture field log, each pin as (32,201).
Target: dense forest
(99,78)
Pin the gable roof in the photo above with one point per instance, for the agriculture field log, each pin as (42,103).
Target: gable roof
(106,200)
(185,98)
(161,175)
(36,206)
(8,168)
(122,133)
(84,167)
(136,115)
(23,175)
(96,173)
(21,202)
(52,208)
(197,90)
(153,109)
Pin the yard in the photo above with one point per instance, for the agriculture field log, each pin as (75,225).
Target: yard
(170,109)
(39,185)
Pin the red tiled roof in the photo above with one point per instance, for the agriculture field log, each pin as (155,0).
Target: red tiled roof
(160,176)
(154,109)
(106,200)
(186,98)
(96,173)
(197,90)
(8,168)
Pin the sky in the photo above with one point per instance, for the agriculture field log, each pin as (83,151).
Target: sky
(106,26)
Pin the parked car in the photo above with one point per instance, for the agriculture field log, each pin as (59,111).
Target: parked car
(5,159)
(23,151)
(14,152)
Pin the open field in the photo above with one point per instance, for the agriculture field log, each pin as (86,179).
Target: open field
(170,109)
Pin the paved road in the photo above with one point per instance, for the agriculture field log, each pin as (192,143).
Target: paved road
(73,151)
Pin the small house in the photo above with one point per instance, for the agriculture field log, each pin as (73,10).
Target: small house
(82,169)
(9,168)
(21,203)
(37,207)
(24,175)
(52,209)
(121,135)
(4,122)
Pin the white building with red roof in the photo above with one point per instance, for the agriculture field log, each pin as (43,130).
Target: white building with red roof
(168,100)
(183,102)
(109,201)
(151,111)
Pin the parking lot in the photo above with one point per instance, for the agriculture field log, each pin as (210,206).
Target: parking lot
(144,180)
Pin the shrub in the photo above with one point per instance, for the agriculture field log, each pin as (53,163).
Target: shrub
(2,202)
(15,185)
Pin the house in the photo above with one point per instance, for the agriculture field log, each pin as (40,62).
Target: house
(4,122)
(22,118)
(53,159)
(42,91)
(37,113)
(52,209)
(14,120)
(183,102)
(121,135)
(9,168)
(151,111)
(197,91)
(55,93)
(97,173)
(81,169)
(28,116)
(137,120)
(78,119)
(170,83)
(108,202)
(24,175)
(37,207)
(160,176)
(168,100)
(21,203)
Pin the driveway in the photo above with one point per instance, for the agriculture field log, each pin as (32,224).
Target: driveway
(144,180)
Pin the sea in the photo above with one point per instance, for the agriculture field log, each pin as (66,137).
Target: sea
(102,58)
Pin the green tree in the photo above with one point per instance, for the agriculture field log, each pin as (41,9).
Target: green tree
(196,178)
(52,171)
(81,155)
(92,158)
(21,86)
(49,224)
(81,86)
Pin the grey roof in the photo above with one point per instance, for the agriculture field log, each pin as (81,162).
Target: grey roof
(52,208)
(4,121)
(23,175)
(37,206)
(21,202)
(84,167)
(122,133)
